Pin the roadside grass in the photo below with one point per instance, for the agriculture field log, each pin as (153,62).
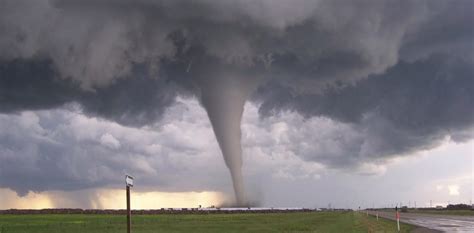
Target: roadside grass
(315,222)
(382,225)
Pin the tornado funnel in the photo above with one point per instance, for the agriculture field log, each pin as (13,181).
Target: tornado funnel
(224,100)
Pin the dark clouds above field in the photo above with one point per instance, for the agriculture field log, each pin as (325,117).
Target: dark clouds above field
(354,85)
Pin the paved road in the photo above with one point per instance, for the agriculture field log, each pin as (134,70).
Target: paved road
(443,223)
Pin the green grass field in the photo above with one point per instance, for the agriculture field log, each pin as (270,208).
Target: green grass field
(246,222)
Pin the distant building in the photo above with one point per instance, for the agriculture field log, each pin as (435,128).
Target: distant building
(404,209)
(438,207)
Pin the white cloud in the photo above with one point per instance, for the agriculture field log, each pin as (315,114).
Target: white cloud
(371,169)
(453,190)
(109,141)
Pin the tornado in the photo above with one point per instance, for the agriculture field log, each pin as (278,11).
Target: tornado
(224,98)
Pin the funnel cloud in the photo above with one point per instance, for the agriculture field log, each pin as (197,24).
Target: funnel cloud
(224,99)
(397,74)
(225,105)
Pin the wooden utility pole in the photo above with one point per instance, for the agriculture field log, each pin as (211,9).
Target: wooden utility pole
(129,212)
(129,183)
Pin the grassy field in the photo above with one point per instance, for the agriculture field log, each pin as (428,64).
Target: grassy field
(246,222)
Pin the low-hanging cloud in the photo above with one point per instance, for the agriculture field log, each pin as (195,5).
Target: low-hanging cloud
(400,72)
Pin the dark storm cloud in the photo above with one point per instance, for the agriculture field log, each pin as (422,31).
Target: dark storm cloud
(412,106)
(302,49)
(33,85)
(398,71)
(423,95)
(306,45)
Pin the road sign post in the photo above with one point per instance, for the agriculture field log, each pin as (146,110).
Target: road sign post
(129,183)
(398,218)
(398,221)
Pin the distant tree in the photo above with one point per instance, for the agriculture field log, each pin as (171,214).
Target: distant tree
(458,207)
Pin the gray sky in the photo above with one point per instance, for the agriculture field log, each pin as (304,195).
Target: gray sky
(351,103)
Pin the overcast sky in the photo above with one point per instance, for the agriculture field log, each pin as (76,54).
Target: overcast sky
(360,103)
